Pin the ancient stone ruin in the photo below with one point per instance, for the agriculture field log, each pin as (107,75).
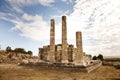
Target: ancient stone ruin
(64,53)
(63,56)
(15,57)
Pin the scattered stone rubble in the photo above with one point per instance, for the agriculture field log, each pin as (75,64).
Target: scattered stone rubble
(15,57)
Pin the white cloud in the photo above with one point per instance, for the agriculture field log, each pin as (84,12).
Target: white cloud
(64,0)
(46,2)
(32,18)
(108,37)
(68,1)
(99,20)
(31,2)
(18,4)
(33,27)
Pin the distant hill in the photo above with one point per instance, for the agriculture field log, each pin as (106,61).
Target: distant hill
(112,58)
(106,57)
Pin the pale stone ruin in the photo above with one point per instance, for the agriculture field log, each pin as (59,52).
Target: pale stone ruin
(63,56)
(60,56)
(16,57)
(64,53)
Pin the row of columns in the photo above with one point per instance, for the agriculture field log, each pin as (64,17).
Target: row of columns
(51,55)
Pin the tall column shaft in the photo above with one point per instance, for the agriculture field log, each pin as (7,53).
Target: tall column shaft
(79,54)
(51,54)
(64,41)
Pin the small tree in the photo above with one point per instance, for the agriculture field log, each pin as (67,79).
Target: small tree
(100,56)
(20,50)
(94,58)
(8,49)
(30,52)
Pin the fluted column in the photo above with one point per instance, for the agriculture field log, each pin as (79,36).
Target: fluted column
(79,54)
(51,54)
(64,41)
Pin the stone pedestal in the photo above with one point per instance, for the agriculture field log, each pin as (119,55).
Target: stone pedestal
(64,41)
(79,55)
(51,54)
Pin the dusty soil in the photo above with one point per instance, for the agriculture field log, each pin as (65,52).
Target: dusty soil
(15,72)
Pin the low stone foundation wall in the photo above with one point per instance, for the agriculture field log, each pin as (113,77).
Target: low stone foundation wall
(61,66)
(93,66)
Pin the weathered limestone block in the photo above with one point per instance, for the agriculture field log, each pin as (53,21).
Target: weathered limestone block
(2,53)
(87,59)
(41,55)
(45,52)
(70,53)
(59,53)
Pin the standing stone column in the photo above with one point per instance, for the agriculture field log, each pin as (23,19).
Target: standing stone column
(51,54)
(64,41)
(79,54)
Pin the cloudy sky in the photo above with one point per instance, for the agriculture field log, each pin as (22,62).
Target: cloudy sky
(26,24)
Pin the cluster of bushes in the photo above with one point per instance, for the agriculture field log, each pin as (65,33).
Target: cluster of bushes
(99,57)
(18,50)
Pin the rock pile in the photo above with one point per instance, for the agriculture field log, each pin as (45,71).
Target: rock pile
(14,57)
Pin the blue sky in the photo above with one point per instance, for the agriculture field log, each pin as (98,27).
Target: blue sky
(26,24)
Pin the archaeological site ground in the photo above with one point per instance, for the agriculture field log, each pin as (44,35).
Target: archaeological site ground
(15,72)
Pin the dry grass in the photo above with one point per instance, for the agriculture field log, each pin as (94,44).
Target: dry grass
(14,72)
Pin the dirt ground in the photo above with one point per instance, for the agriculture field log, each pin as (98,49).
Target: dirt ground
(15,72)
